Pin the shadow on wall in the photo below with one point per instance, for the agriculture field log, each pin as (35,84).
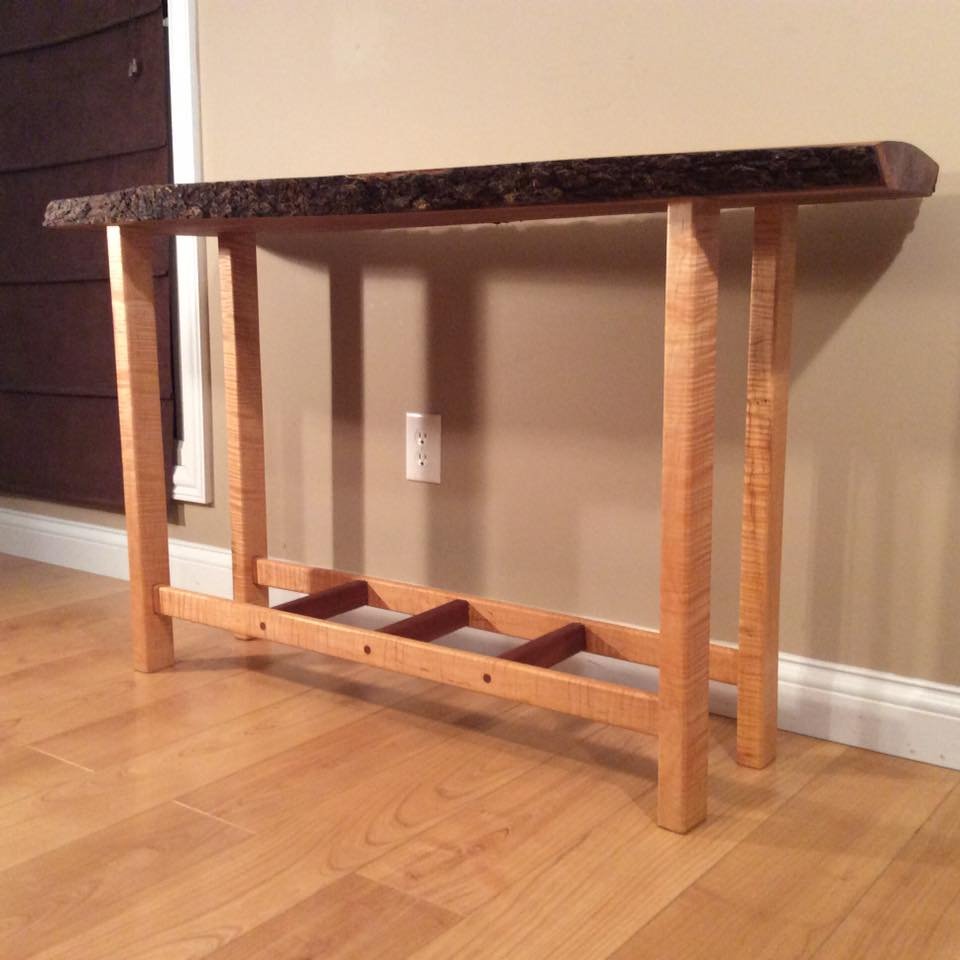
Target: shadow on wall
(565,389)
(588,374)
(882,470)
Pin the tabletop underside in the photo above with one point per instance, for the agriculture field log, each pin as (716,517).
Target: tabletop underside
(513,191)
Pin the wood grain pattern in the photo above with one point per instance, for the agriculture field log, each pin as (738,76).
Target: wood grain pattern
(244,409)
(624,871)
(314,777)
(232,692)
(913,909)
(365,811)
(26,770)
(777,898)
(511,619)
(352,918)
(305,851)
(44,821)
(331,776)
(40,588)
(90,684)
(582,697)
(686,501)
(145,482)
(104,871)
(768,379)
(470,859)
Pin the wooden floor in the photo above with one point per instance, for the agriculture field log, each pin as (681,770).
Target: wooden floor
(260,802)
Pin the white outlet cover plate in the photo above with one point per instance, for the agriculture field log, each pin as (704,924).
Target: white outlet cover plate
(423,447)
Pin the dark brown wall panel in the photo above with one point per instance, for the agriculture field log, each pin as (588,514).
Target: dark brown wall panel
(74,120)
(37,23)
(66,448)
(40,255)
(77,100)
(58,338)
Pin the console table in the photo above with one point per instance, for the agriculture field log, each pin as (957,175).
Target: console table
(692,188)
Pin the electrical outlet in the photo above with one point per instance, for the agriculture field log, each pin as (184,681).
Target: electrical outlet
(423,447)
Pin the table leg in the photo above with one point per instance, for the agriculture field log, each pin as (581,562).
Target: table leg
(244,409)
(768,375)
(141,440)
(686,510)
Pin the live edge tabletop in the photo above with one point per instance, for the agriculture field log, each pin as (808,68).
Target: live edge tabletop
(514,191)
(692,188)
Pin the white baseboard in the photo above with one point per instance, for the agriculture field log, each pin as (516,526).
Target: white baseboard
(900,716)
(103,550)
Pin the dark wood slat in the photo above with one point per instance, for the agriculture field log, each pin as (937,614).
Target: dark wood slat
(329,603)
(76,101)
(433,623)
(550,648)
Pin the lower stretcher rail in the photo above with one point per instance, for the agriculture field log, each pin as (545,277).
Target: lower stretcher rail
(580,696)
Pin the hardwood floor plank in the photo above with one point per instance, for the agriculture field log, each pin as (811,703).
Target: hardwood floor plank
(63,630)
(126,735)
(781,892)
(352,919)
(57,679)
(239,692)
(369,814)
(315,844)
(32,721)
(24,772)
(261,795)
(467,859)
(33,587)
(615,754)
(39,823)
(74,693)
(624,871)
(472,857)
(8,561)
(65,892)
(913,909)
(88,668)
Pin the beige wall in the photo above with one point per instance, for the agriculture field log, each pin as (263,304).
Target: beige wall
(541,345)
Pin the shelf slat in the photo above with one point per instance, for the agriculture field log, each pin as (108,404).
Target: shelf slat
(550,648)
(329,603)
(432,624)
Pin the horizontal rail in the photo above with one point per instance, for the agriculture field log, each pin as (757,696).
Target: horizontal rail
(579,696)
(514,620)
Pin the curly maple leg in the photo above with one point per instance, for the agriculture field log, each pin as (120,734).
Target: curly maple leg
(686,506)
(768,375)
(244,409)
(130,253)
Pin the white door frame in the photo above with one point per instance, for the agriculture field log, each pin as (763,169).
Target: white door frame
(192,476)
